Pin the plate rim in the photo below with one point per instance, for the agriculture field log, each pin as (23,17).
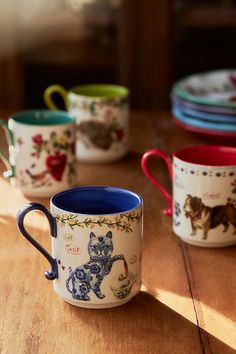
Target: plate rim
(203,124)
(204,101)
(203,131)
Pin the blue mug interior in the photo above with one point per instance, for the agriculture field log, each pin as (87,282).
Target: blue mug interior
(96,200)
(43,117)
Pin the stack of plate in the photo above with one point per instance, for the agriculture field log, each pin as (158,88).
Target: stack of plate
(205,103)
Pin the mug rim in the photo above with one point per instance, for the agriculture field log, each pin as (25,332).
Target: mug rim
(88,91)
(218,156)
(26,118)
(95,189)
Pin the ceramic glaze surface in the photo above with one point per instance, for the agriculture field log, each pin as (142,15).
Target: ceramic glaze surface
(209,88)
(96,258)
(222,125)
(205,116)
(99,257)
(102,127)
(102,119)
(43,157)
(204,204)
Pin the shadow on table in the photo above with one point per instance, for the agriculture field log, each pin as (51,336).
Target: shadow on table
(144,325)
(162,259)
(153,324)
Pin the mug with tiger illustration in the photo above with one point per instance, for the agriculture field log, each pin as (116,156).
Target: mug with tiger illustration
(41,151)
(203,205)
(102,119)
(96,244)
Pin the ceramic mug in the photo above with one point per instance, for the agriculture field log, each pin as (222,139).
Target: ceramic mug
(96,245)
(203,204)
(41,151)
(102,119)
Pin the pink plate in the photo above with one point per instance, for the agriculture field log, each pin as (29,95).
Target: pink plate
(217,136)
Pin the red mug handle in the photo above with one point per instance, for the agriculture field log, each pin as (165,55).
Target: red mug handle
(154,180)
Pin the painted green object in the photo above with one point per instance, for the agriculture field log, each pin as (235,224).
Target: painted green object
(105,91)
(51,90)
(178,91)
(101,91)
(30,118)
(124,222)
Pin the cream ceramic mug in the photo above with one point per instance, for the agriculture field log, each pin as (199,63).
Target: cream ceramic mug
(203,201)
(41,158)
(102,119)
(96,245)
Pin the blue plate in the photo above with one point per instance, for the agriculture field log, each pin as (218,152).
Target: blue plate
(211,117)
(196,122)
(201,107)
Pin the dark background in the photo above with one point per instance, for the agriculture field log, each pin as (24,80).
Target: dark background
(145,45)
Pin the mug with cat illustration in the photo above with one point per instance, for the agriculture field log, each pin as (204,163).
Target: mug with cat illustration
(102,119)
(203,205)
(96,244)
(41,151)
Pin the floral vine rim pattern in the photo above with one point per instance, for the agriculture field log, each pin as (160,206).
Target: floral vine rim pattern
(123,222)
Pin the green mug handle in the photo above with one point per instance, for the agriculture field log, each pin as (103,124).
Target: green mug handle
(50,91)
(5,159)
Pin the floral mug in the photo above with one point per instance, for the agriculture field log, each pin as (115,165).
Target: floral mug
(41,151)
(102,119)
(96,245)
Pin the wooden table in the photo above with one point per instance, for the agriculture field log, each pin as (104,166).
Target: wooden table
(187,302)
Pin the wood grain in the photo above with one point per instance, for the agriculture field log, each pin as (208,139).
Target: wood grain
(210,272)
(187,302)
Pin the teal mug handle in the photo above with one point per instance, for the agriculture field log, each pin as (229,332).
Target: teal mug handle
(48,96)
(5,159)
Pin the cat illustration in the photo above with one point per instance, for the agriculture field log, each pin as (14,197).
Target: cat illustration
(90,275)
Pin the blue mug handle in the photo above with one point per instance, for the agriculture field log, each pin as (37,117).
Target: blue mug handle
(53,273)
